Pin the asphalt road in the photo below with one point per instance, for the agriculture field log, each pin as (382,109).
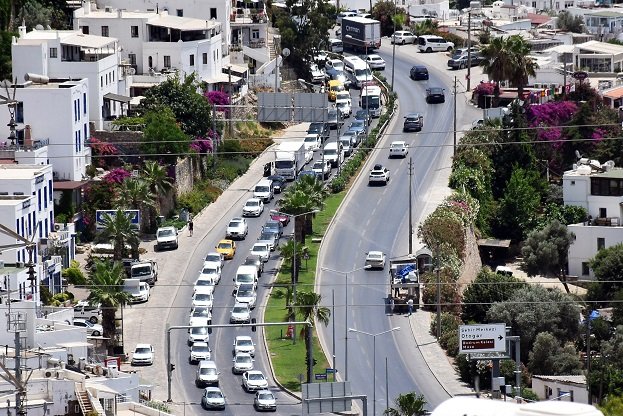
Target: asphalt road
(376,218)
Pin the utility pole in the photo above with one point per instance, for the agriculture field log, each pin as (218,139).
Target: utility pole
(394,47)
(455,114)
(438,303)
(410,206)
(469,48)
(231,113)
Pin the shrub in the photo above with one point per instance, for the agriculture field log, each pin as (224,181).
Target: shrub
(230,149)
(337,184)
(74,276)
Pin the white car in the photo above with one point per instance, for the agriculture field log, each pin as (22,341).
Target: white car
(246,294)
(254,207)
(211,269)
(334,64)
(240,314)
(215,257)
(345,109)
(93,330)
(254,380)
(401,37)
(317,75)
(213,398)
(202,299)
(375,260)
(200,316)
(322,169)
(265,400)
(244,343)
(166,237)
(378,175)
(375,62)
(143,355)
(198,333)
(204,284)
(237,228)
(398,149)
(199,351)
(207,374)
(312,142)
(262,250)
(242,362)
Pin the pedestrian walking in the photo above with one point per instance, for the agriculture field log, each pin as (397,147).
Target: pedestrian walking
(190,226)
(410,306)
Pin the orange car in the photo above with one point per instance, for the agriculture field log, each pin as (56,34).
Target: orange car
(227,248)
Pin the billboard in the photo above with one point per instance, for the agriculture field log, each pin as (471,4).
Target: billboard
(133,214)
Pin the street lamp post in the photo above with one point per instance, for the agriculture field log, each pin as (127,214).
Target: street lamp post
(326,269)
(472,5)
(294,271)
(374,360)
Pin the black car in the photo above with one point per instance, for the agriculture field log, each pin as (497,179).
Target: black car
(363,115)
(256,261)
(320,128)
(413,122)
(418,72)
(279,183)
(435,95)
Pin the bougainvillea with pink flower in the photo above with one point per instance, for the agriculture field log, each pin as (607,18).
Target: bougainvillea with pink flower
(117,175)
(485,88)
(201,145)
(549,116)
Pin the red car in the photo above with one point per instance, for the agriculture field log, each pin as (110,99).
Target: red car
(282,218)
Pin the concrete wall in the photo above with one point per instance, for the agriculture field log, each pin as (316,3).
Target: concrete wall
(541,387)
(584,247)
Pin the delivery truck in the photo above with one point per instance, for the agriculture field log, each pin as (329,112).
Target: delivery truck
(361,33)
(290,159)
(145,271)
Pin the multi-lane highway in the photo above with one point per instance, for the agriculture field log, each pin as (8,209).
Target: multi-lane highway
(376,218)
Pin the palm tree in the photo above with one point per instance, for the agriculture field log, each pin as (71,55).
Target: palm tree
(307,307)
(409,404)
(497,63)
(317,193)
(134,193)
(287,253)
(106,286)
(523,65)
(297,201)
(159,183)
(118,229)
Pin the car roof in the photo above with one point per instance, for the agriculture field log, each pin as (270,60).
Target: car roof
(199,344)
(254,199)
(413,115)
(213,389)
(419,67)
(378,166)
(435,89)
(375,253)
(243,338)
(374,56)
(143,345)
(398,142)
(207,364)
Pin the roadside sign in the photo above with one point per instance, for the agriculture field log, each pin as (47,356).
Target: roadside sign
(330,370)
(133,214)
(580,75)
(482,338)
(320,376)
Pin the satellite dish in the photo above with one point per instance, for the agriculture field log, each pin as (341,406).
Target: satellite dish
(39,27)
(285,52)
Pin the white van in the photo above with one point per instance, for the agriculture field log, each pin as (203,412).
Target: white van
(336,46)
(334,153)
(342,15)
(245,274)
(207,374)
(264,190)
(357,70)
(433,43)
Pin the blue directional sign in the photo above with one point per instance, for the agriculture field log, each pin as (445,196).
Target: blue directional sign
(330,370)
(133,214)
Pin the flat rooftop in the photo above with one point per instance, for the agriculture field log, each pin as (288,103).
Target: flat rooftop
(16,171)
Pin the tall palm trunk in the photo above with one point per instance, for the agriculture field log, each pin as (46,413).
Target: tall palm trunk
(109,327)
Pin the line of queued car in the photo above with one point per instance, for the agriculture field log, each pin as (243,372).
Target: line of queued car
(245,299)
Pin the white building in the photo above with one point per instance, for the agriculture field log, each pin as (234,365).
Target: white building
(154,42)
(555,5)
(563,388)
(69,54)
(599,189)
(440,9)
(56,114)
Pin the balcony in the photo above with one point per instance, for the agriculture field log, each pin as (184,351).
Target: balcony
(604,222)
(246,16)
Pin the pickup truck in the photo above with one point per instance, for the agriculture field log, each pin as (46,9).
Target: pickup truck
(404,283)
(145,271)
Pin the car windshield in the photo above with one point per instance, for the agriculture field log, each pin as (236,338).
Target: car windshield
(266,236)
(337,88)
(245,293)
(199,330)
(330,152)
(200,348)
(245,278)
(317,165)
(244,342)
(396,145)
(209,371)
(357,124)
(345,142)
(253,203)
(204,282)
(215,395)
(265,396)
(224,245)
(213,257)
(262,189)
(240,309)
(142,350)
(436,91)
(201,312)
(243,359)
(256,376)
(166,233)
(259,247)
(235,223)
(141,270)
(311,139)
(203,296)
(209,270)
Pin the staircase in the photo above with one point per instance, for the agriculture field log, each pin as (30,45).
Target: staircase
(87,403)
(270,41)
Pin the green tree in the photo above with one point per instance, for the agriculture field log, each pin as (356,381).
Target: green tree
(159,184)
(408,404)
(118,229)
(386,12)
(607,265)
(557,313)
(487,289)
(5,54)
(606,376)
(134,193)
(549,358)
(518,205)
(190,108)
(287,253)
(427,27)
(522,65)
(545,251)
(163,137)
(106,289)
(613,406)
(569,23)
(303,197)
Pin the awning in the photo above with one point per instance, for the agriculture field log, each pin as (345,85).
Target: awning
(137,100)
(224,78)
(117,97)
(614,93)
(87,41)
(69,185)
(238,69)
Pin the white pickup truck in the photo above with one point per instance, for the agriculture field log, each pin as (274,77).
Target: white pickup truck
(145,271)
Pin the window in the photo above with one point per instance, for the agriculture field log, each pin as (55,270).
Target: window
(180,12)
(38,202)
(85,30)
(204,58)
(45,196)
(601,243)
(255,34)
(105,31)
(53,53)
(50,187)
(585,268)
(213,13)
(603,213)
(134,31)
(167,61)
(192,59)
(606,187)
(102,81)
(84,102)
(572,183)
(132,58)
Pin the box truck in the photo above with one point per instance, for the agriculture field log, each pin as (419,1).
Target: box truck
(361,33)
(289,159)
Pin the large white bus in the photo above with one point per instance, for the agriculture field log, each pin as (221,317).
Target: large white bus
(357,70)
(371,100)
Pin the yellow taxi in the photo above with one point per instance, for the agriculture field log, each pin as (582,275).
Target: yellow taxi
(334,87)
(227,248)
